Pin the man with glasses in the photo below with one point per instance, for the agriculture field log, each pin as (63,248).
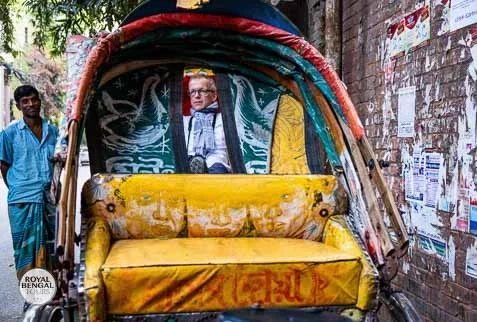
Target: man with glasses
(204,132)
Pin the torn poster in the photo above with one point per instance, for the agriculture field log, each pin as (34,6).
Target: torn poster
(415,179)
(418,27)
(471,260)
(433,172)
(432,245)
(425,221)
(445,26)
(462,13)
(396,37)
(462,209)
(473,213)
(410,31)
(406,111)
(388,67)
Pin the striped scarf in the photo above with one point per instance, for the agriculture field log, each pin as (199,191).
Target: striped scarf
(204,140)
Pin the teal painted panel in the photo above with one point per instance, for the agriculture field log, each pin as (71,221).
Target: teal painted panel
(255,107)
(134,121)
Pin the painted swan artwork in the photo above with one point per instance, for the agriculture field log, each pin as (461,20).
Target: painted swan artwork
(254,122)
(137,131)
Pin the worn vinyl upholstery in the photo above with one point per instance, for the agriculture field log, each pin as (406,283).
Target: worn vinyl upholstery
(177,243)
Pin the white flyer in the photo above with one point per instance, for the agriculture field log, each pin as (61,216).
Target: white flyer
(406,111)
(415,181)
(471,260)
(433,172)
(462,13)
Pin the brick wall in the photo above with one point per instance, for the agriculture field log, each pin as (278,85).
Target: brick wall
(445,105)
(316,16)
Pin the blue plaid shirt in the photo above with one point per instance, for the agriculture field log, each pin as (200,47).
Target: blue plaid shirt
(31,160)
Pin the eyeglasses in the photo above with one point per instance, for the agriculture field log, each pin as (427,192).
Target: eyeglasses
(201,92)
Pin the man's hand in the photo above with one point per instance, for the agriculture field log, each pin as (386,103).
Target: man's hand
(4,169)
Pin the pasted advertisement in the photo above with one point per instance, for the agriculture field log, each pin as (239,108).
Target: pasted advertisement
(414,178)
(396,37)
(471,260)
(432,245)
(406,111)
(410,31)
(433,172)
(462,13)
(473,213)
(422,178)
(462,211)
(445,16)
(418,27)
(423,173)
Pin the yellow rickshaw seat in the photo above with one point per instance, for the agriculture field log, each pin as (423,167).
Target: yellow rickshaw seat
(194,243)
(213,274)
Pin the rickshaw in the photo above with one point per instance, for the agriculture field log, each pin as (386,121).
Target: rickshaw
(304,222)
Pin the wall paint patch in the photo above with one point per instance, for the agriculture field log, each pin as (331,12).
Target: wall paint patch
(451,257)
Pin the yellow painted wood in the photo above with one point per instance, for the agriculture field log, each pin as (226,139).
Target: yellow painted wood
(288,147)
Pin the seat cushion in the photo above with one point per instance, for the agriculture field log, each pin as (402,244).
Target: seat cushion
(170,206)
(212,274)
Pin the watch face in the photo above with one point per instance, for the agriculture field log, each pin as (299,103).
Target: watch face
(197,164)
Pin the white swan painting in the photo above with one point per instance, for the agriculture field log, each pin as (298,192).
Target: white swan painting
(255,106)
(137,131)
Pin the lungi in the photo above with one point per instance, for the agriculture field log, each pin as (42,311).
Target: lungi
(33,234)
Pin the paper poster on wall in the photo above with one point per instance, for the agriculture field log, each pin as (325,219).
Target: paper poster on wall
(473,213)
(462,210)
(462,13)
(432,245)
(415,179)
(445,16)
(406,111)
(471,260)
(410,31)
(425,220)
(433,172)
(418,27)
(396,38)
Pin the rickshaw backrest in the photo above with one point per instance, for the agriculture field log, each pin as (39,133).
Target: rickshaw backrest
(142,206)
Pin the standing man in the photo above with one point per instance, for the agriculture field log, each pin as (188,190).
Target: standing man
(204,131)
(26,163)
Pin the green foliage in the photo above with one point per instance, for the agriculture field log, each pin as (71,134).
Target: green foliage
(48,75)
(55,20)
(6,26)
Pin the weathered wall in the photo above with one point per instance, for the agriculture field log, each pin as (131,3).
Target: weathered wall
(444,73)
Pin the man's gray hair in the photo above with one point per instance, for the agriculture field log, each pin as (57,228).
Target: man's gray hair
(211,80)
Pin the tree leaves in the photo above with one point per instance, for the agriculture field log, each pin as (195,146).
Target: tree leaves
(55,20)
(6,27)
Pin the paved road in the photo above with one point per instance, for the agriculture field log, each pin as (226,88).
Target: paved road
(11,302)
